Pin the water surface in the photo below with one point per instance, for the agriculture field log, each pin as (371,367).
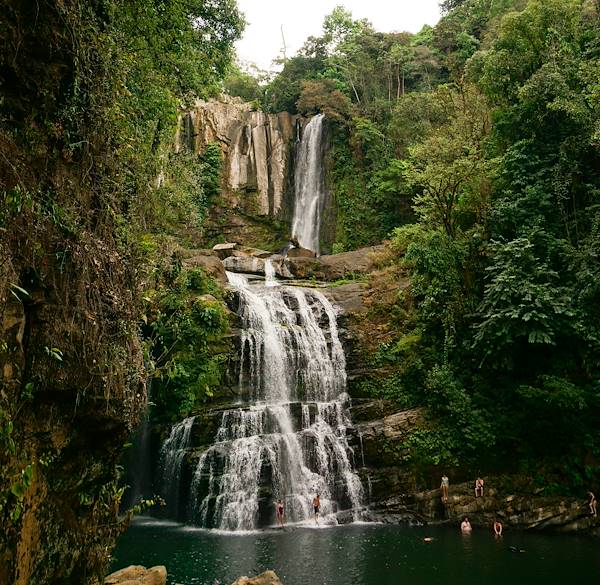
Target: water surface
(360,554)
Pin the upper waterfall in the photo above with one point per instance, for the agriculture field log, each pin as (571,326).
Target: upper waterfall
(309,186)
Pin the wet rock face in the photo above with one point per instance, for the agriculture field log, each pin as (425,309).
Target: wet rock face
(257,149)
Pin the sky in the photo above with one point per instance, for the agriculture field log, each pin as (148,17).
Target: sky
(262,41)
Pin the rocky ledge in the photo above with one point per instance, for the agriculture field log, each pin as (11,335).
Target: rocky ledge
(516,509)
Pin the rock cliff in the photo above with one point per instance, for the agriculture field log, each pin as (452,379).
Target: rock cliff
(258,155)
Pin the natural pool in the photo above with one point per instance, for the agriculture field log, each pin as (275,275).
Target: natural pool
(360,554)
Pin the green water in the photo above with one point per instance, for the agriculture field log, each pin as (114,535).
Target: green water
(366,554)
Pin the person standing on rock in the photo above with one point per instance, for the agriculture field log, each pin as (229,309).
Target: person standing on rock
(478,487)
(280,510)
(444,487)
(317,507)
(592,504)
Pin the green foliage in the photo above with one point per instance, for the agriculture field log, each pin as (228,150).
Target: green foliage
(211,164)
(502,170)
(322,96)
(249,86)
(523,305)
(185,327)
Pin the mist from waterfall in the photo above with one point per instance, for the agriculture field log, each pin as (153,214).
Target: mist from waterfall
(309,186)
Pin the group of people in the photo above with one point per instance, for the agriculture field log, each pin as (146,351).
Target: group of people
(280,510)
(466,528)
(445,484)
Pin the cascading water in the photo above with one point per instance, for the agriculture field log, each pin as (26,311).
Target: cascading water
(171,460)
(309,186)
(290,441)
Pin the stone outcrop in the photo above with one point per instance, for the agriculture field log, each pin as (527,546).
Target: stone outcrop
(334,266)
(348,297)
(509,501)
(257,149)
(138,575)
(266,578)
(246,264)
(300,253)
(208,261)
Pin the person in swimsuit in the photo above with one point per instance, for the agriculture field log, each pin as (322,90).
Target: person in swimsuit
(317,507)
(478,487)
(280,510)
(497,527)
(465,526)
(444,486)
(592,504)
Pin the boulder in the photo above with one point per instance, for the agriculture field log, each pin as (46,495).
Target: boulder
(138,575)
(266,578)
(255,252)
(348,297)
(305,268)
(334,266)
(358,261)
(245,264)
(300,253)
(224,250)
(210,264)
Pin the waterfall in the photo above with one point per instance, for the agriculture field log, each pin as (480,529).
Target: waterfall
(290,441)
(270,274)
(171,460)
(309,186)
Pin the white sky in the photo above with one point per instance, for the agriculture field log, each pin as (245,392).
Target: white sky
(262,42)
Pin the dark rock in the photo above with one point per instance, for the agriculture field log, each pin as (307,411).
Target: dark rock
(332,267)
(300,253)
(348,297)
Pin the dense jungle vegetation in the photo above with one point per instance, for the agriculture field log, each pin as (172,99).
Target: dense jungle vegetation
(474,146)
(90,96)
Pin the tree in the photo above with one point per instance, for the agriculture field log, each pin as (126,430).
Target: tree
(448,170)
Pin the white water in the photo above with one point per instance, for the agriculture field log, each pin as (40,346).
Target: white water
(270,274)
(309,186)
(291,440)
(171,459)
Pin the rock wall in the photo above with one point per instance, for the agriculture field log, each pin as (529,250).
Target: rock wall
(257,147)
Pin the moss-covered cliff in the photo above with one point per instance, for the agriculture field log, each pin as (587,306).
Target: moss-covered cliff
(88,116)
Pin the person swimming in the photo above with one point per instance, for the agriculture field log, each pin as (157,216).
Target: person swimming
(497,527)
(465,526)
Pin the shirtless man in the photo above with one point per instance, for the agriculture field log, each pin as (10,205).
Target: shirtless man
(592,504)
(317,507)
(465,526)
(478,487)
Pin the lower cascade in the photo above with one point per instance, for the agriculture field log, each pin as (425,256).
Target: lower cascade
(288,440)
